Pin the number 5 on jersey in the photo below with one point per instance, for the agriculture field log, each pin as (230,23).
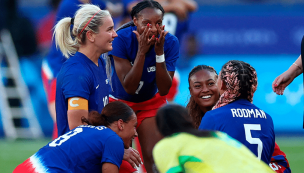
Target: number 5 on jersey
(251,140)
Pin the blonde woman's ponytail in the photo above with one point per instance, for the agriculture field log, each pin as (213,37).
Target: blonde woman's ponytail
(63,37)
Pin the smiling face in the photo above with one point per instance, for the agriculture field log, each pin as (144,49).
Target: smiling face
(129,131)
(105,36)
(153,16)
(204,89)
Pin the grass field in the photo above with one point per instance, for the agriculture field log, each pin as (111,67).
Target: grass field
(13,153)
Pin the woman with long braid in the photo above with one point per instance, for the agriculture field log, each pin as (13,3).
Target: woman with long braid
(202,84)
(235,114)
(199,151)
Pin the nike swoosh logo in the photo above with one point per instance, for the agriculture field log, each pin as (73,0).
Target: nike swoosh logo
(97,86)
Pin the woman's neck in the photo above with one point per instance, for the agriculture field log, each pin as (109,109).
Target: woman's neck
(205,109)
(90,52)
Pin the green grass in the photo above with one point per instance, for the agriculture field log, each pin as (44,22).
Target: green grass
(294,150)
(12,153)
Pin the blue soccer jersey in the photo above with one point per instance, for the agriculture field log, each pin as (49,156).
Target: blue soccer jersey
(246,123)
(55,58)
(83,149)
(80,77)
(125,46)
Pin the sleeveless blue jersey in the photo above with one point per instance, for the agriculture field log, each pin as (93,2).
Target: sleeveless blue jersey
(80,77)
(67,8)
(125,46)
(83,149)
(246,123)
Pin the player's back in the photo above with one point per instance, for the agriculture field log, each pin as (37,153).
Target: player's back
(246,123)
(214,154)
(79,150)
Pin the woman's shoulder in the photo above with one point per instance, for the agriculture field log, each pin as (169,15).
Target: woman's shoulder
(126,30)
(171,38)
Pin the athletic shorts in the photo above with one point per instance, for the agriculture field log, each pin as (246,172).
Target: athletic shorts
(126,167)
(49,85)
(279,162)
(144,109)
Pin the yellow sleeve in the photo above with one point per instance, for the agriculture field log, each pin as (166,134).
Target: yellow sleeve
(166,157)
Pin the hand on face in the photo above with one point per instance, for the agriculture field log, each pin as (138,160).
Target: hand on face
(159,44)
(144,42)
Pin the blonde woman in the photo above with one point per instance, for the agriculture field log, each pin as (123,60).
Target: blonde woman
(82,82)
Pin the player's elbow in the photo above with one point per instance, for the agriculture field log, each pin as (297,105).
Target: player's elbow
(130,91)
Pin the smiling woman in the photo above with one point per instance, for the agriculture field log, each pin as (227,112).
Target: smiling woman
(95,147)
(81,82)
(203,90)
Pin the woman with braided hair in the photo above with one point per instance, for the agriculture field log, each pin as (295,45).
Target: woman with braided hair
(205,94)
(144,56)
(236,115)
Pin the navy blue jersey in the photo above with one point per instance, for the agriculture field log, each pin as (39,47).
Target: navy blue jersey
(246,123)
(80,77)
(67,8)
(125,46)
(83,149)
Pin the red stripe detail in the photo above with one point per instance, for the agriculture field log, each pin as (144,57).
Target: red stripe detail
(88,23)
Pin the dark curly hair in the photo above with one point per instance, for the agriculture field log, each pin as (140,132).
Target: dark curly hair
(193,108)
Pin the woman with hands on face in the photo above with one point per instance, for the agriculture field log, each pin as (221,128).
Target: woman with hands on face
(144,56)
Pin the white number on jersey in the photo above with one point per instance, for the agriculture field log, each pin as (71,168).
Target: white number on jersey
(105,101)
(274,166)
(170,21)
(65,137)
(141,83)
(251,140)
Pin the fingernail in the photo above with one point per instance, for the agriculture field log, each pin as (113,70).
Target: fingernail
(153,36)
(142,163)
(157,39)
(276,85)
(148,24)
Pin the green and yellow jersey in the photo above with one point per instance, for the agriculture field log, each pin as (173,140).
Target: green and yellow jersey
(184,152)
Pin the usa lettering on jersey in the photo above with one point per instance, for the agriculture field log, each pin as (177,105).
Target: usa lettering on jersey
(151,69)
(248,113)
